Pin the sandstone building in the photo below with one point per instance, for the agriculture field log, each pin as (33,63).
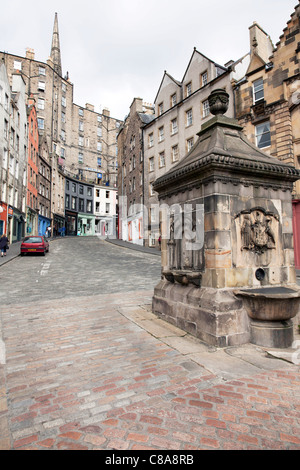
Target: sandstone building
(13,155)
(131,178)
(83,140)
(267,101)
(105,210)
(57,196)
(165,137)
(44,187)
(32,173)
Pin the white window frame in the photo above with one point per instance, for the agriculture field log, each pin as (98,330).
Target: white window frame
(189,117)
(161,134)
(162,159)
(188,89)
(204,78)
(258,88)
(41,86)
(41,103)
(150,140)
(175,153)
(205,108)
(173,99)
(260,132)
(189,143)
(41,123)
(151,164)
(174,126)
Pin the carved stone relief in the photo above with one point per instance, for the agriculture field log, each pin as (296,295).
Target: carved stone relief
(257,233)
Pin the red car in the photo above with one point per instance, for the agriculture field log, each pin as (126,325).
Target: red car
(34,244)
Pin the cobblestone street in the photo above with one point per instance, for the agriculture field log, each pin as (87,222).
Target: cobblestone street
(85,365)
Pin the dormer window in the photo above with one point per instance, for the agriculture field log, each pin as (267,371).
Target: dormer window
(173,100)
(188,89)
(204,79)
(160,109)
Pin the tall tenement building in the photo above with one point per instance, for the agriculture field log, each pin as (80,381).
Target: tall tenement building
(83,140)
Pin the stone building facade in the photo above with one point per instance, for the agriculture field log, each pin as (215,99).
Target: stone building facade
(32,173)
(44,187)
(13,155)
(105,210)
(264,96)
(79,204)
(267,101)
(57,196)
(94,152)
(5,93)
(83,140)
(132,171)
(181,107)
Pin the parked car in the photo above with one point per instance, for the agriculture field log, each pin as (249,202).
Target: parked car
(34,244)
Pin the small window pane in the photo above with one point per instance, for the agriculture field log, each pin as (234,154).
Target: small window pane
(263,135)
(258,87)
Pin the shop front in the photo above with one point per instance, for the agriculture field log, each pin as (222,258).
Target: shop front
(71,223)
(58,224)
(44,223)
(3,218)
(18,225)
(31,222)
(86,225)
(105,227)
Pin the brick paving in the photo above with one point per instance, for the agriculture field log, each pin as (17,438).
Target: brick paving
(101,372)
(83,375)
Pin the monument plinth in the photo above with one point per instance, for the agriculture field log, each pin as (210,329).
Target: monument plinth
(246,243)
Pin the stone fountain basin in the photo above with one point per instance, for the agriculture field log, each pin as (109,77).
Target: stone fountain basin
(270,303)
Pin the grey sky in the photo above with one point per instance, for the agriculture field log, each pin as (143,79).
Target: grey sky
(115,50)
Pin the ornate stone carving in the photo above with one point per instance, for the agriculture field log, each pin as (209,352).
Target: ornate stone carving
(218,101)
(256,230)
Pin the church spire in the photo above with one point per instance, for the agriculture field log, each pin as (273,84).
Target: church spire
(55,48)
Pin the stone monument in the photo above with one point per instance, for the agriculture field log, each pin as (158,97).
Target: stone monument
(228,273)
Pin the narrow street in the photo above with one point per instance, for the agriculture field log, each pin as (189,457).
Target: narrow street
(84,364)
(75,267)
